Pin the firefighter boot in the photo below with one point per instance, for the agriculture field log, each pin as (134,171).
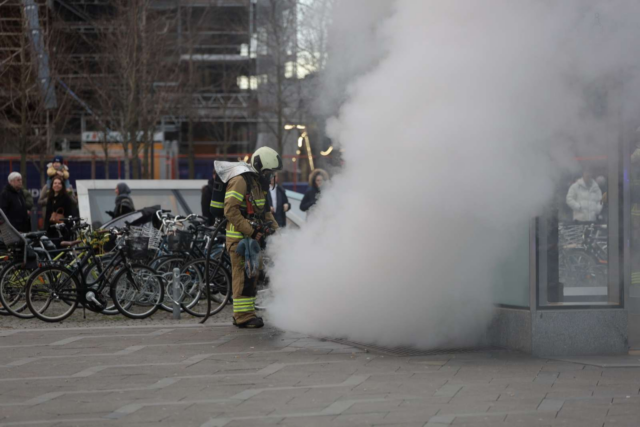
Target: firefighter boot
(253,323)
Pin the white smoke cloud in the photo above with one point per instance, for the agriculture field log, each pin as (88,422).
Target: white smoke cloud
(453,136)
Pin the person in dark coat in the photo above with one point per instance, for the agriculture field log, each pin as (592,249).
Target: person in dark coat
(278,201)
(205,200)
(59,202)
(317,178)
(124,203)
(14,205)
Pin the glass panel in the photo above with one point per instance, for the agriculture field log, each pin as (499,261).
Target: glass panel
(632,302)
(578,239)
(104,200)
(511,284)
(192,199)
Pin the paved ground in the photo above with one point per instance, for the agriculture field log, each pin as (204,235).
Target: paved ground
(90,319)
(189,375)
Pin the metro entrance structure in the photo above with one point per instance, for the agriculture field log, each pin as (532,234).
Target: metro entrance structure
(572,288)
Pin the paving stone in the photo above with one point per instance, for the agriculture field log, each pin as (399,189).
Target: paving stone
(366,407)
(576,423)
(531,418)
(513,406)
(315,421)
(617,390)
(624,410)
(487,420)
(622,421)
(588,414)
(355,419)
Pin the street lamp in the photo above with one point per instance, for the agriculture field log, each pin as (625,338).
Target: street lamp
(303,138)
(327,152)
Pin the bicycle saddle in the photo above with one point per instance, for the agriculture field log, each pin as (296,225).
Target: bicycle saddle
(34,234)
(70,244)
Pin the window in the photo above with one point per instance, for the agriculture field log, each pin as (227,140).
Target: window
(578,239)
(181,202)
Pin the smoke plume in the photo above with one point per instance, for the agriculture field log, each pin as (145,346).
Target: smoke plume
(458,118)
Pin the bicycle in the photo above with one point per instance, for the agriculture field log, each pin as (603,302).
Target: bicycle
(54,291)
(583,255)
(13,278)
(187,251)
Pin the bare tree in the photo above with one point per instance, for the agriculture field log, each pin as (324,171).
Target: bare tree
(190,38)
(314,21)
(277,65)
(32,106)
(138,60)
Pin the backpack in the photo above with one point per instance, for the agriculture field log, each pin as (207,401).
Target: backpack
(218,192)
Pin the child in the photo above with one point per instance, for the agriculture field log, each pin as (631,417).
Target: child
(59,169)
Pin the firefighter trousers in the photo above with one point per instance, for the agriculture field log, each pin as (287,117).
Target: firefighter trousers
(244,288)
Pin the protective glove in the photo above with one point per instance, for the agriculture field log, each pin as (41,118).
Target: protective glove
(110,213)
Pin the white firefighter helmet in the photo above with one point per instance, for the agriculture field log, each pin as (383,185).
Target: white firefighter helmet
(266,159)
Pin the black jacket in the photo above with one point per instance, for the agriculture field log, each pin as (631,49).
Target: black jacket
(280,215)
(205,201)
(309,199)
(14,206)
(124,205)
(62,203)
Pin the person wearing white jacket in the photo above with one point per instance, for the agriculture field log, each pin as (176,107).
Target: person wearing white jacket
(585,198)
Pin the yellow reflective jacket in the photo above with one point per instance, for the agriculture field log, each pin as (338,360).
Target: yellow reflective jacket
(235,205)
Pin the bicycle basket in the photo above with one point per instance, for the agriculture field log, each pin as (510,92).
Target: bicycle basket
(155,236)
(179,241)
(137,247)
(10,235)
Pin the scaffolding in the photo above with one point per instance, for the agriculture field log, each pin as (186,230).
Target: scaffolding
(213,39)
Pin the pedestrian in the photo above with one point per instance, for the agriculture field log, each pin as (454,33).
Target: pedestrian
(59,205)
(57,168)
(278,201)
(42,204)
(124,203)
(28,197)
(14,205)
(244,221)
(585,198)
(205,199)
(316,180)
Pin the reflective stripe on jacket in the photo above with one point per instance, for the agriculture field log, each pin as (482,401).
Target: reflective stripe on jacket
(235,207)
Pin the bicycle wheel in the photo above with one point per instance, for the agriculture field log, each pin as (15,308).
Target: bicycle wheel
(52,293)
(13,282)
(91,275)
(194,299)
(3,264)
(165,268)
(137,291)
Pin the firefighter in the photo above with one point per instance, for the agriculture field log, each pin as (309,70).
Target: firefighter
(239,202)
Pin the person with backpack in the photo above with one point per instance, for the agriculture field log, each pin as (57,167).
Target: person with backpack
(124,203)
(239,193)
(205,199)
